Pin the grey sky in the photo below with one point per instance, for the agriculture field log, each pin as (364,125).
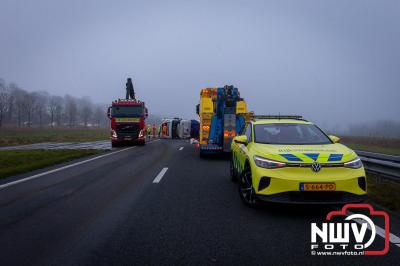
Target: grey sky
(328,60)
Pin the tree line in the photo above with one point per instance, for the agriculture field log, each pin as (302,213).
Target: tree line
(21,108)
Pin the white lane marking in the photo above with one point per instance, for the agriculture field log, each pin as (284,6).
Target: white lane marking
(394,239)
(62,168)
(160,175)
(181,148)
(380,231)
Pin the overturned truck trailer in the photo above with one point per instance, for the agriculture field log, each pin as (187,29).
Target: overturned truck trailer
(184,127)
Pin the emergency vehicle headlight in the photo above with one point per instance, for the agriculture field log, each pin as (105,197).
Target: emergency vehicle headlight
(267,163)
(141,133)
(355,164)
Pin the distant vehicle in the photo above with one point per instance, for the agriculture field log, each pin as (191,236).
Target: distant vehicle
(166,129)
(222,114)
(127,121)
(177,128)
(169,128)
(174,128)
(289,159)
(27,124)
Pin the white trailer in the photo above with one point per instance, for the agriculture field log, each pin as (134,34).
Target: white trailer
(184,129)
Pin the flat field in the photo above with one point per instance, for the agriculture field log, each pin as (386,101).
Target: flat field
(373,144)
(21,136)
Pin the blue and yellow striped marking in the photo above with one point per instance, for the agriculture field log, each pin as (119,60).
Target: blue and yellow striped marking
(334,157)
(313,156)
(291,157)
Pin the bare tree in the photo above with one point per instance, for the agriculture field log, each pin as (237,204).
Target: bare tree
(4,100)
(98,115)
(54,107)
(86,110)
(18,102)
(19,107)
(41,99)
(51,107)
(59,109)
(71,110)
(10,107)
(29,106)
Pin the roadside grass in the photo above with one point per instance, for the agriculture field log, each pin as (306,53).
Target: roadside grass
(384,192)
(21,161)
(22,136)
(373,144)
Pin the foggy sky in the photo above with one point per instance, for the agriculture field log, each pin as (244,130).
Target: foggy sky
(334,62)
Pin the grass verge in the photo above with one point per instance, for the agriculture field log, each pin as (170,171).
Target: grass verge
(373,144)
(21,161)
(22,136)
(384,192)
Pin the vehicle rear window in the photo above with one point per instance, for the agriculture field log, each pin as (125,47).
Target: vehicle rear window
(290,134)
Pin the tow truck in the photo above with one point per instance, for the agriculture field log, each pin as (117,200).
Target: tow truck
(223,113)
(127,121)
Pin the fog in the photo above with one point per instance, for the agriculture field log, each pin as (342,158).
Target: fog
(335,62)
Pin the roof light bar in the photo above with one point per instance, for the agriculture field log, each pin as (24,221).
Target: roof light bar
(296,117)
(128,100)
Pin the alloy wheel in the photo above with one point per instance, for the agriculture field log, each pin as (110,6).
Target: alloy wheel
(246,190)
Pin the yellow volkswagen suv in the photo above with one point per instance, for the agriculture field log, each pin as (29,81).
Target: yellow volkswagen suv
(289,159)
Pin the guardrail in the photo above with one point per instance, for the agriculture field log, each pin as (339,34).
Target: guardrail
(384,165)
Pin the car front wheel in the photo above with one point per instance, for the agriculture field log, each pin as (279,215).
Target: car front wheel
(246,190)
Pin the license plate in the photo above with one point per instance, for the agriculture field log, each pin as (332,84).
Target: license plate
(127,120)
(317,187)
(127,138)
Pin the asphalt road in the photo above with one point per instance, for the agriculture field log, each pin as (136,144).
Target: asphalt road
(108,211)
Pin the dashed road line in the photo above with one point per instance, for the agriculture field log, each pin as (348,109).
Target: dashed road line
(160,175)
(181,148)
(394,239)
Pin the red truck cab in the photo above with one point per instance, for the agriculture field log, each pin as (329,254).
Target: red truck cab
(127,121)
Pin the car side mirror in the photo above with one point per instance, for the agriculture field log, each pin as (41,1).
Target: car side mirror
(240,139)
(334,138)
(109,112)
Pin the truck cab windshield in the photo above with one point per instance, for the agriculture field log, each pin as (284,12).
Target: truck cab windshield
(127,111)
